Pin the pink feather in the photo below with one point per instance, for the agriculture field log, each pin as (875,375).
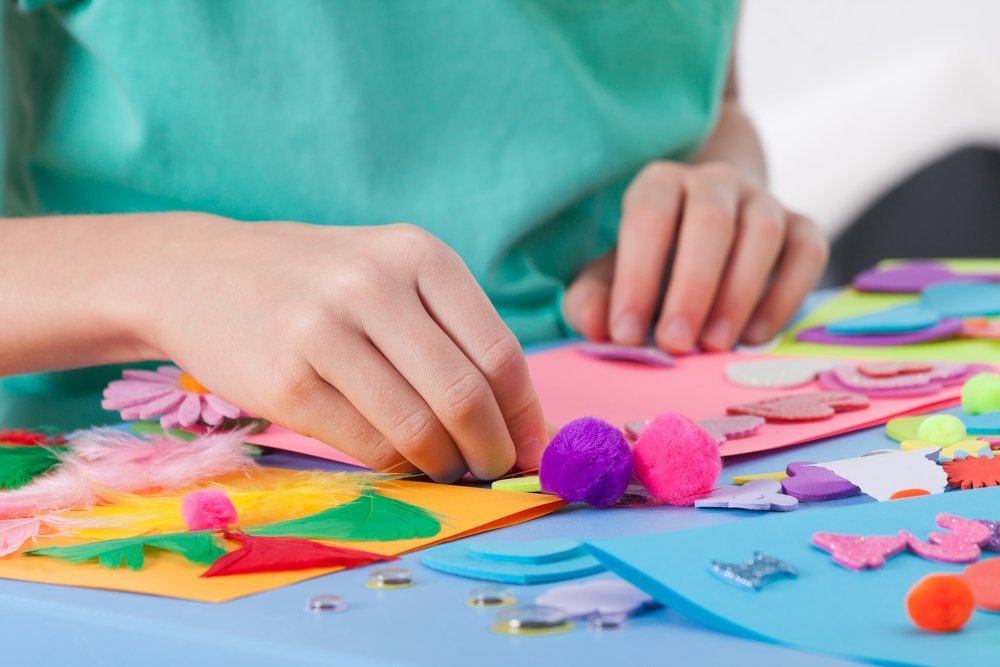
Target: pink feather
(106,458)
(15,532)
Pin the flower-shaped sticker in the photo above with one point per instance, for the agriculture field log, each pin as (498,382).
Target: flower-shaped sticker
(973,472)
(170,394)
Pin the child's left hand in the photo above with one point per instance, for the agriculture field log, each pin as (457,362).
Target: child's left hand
(736,264)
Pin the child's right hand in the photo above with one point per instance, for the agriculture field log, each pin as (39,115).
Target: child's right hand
(375,340)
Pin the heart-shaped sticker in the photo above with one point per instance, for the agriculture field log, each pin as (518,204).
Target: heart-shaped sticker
(802,407)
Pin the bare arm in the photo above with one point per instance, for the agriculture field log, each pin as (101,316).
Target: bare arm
(376,340)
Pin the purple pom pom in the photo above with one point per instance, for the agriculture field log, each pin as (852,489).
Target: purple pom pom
(588,460)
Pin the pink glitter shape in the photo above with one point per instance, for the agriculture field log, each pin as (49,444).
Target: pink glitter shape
(860,553)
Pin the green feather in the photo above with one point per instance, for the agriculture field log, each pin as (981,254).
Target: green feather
(21,464)
(200,547)
(369,517)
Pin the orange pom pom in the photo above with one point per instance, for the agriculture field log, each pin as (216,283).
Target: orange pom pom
(940,603)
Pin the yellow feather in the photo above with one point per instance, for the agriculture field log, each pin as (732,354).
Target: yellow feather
(259,498)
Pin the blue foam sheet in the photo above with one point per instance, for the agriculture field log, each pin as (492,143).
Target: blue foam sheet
(828,608)
(901,319)
(526,551)
(455,559)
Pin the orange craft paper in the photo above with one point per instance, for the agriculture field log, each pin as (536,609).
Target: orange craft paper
(463,510)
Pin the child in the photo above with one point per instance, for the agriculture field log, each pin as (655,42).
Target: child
(559,162)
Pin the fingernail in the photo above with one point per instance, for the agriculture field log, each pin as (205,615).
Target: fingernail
(628,330)
(676,334)
(718,335)
(529,455)
(757,332)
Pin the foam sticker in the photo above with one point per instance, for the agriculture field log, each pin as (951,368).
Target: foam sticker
(972,472)
(904,428)
(944,329)
(524,484)
(993,543)
(887,369)
(754,573)
(986,424)
(811,483)
(962,298)
(899,319)
(730,427)
(980,327)
(454,558)
(881,474)
(648,355)
(960,448)
(849,380)
(802,407)
(743,479)
(758,495)
(959,545)
(599,596)
(860,553)
(910,278)
(776,373)
(634,428)
(984,580)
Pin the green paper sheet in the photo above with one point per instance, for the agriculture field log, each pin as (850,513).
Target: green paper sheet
(850,303)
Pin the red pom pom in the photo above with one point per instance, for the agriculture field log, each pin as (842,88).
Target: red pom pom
(940,603)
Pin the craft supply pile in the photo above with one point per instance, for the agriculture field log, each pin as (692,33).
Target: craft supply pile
(179,500)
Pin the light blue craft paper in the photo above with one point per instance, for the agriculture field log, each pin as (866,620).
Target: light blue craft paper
(828,608)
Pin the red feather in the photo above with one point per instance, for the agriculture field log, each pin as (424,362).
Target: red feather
(284,554)
(22,437)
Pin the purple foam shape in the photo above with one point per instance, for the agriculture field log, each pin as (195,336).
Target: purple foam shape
(946,328)
(911,278)
(648,355)
(831,382)
(811,484)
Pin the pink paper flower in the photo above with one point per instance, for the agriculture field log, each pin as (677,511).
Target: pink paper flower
(170,394)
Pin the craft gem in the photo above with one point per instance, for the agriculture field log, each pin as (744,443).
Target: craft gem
(491,596)
(752,574)
(325,604)
(390,577)
(531,620)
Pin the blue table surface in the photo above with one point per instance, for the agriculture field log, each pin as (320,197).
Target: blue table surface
(427,624)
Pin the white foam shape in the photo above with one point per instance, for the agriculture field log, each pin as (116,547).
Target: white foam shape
(599,596)
(776,373)
(883,473)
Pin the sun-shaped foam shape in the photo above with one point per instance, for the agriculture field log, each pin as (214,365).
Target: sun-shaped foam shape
(973,472)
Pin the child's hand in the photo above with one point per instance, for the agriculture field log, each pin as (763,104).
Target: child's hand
(376,340)
(735,263)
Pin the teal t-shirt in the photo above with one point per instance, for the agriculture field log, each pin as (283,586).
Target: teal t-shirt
(507,128)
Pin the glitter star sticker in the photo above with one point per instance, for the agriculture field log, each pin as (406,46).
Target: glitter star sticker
(754,573)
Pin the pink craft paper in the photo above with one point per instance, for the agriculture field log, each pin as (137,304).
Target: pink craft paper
(572,385)
(280,437)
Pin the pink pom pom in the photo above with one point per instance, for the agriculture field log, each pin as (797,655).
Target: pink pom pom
(676,460)
(210,509)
